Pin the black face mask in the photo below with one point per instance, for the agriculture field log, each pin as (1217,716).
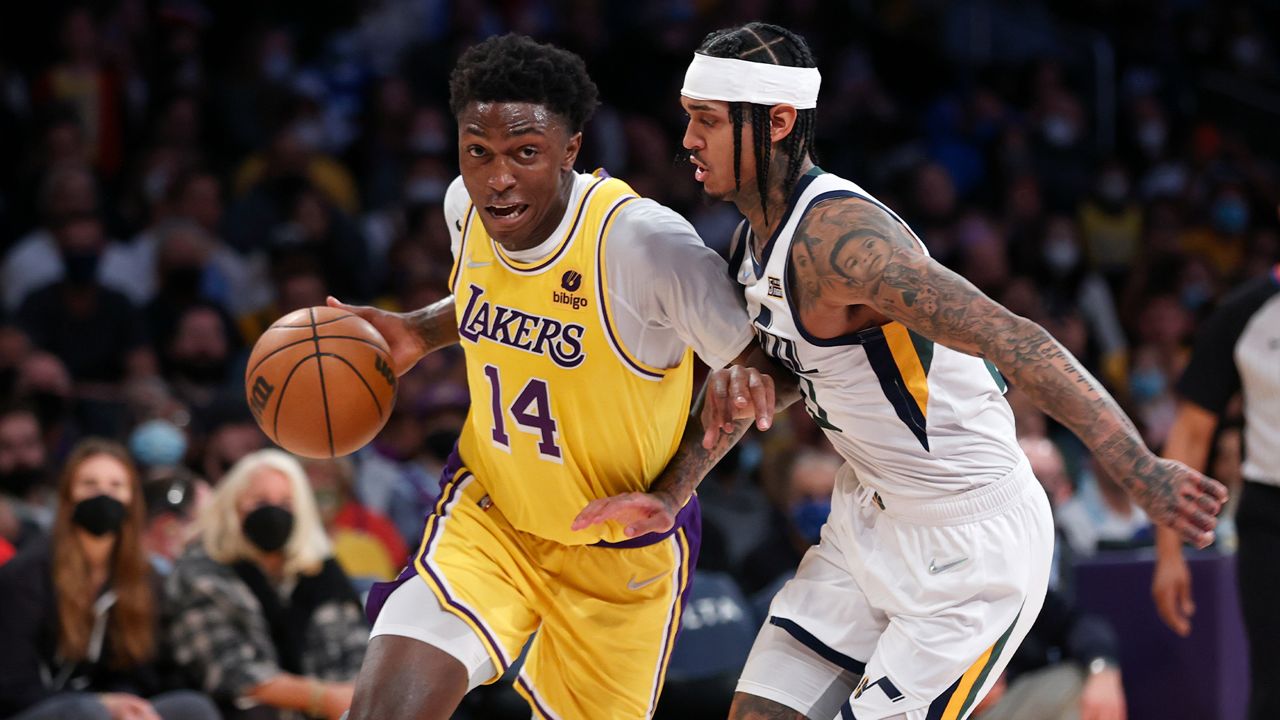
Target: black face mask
(440,443)
(201,370)
(50,408)
(19,481)
(268,527)
(99,515)
(183,280)
(81,267)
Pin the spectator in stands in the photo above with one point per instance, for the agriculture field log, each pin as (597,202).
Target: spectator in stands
(96,331)
(231,433)
(801,507)
(367,545)
(79,612)
(1069,515)
(1065,669)
(83,80)
(172,498)
(260,614)
(66,191)
(24,475)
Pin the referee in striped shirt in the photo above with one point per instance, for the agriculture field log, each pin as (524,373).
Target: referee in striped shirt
(1236,350)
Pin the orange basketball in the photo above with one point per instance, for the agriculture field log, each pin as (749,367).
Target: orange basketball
(320,383)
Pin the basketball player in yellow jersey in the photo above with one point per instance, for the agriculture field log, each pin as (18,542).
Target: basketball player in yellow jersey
(578,305)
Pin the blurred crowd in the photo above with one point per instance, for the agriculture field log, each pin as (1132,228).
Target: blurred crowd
(179,173)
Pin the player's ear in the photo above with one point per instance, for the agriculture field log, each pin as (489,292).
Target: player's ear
(782,120)
(571,151)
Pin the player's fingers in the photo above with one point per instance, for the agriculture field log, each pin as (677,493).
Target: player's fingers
(334,302)
(718,385)
(1190,533)
(1214,489)
(761,388)
(590,515)
(1209,504)
(1200,519)
(738,390)
(658,522)
(1182,593)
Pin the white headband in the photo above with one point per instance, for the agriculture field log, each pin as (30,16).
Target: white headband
(732,80)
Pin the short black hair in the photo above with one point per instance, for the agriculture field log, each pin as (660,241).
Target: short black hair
(770,45)
(516,68)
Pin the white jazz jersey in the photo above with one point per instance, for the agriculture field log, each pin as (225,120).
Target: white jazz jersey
(913,418)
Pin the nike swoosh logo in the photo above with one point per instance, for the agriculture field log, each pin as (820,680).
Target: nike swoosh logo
(472,264)
(633,585)
(935,568)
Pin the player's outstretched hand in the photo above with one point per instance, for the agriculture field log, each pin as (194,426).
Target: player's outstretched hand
(406,345)
(736,393)
(1171,589)
(639,513)
(1180,498)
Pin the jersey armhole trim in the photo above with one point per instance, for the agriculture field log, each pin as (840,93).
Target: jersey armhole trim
(737,252)
(462,249)
(644,370)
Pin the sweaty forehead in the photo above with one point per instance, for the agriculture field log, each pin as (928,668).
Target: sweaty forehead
(509,118)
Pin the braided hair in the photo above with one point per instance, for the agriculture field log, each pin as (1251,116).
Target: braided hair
(515,68)
(772,45)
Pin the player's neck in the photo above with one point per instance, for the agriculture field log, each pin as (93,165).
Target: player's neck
(748,201)
(550,219)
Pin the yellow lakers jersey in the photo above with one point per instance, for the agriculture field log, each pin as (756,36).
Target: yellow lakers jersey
(561,412)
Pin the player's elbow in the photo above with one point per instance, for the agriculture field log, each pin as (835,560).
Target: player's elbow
(1013,340)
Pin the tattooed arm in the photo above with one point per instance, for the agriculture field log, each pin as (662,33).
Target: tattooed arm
(745,391)
(411,335)
(851,252)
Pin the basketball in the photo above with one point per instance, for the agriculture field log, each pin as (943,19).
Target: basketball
(320,382)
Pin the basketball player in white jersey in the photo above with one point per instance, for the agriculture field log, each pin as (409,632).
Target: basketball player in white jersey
(934,562)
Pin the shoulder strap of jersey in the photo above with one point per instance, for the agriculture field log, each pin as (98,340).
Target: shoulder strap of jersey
(467,216)
(738,250)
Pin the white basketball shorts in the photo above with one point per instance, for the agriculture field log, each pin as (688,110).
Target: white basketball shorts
(906,608)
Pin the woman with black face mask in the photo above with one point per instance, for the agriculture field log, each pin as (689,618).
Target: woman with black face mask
(262,615)
(79,615)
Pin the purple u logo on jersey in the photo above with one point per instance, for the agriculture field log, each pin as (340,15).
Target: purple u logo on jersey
(562,342)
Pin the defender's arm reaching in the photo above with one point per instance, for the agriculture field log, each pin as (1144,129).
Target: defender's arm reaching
(851,252)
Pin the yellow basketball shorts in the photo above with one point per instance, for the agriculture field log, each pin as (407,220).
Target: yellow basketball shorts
(605,616)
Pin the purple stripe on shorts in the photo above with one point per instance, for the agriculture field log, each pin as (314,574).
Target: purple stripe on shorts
(450,600)
(533,697)
(379,593)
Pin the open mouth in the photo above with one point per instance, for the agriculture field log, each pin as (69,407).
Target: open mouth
(507,213)
(699,170)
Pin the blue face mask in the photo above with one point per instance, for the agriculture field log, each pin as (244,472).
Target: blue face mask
(1146,385)
(808,517)
(1230,216)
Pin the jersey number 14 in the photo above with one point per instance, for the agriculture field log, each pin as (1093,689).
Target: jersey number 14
(531,411)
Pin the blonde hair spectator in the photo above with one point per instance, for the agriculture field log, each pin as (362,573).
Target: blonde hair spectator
(219,524)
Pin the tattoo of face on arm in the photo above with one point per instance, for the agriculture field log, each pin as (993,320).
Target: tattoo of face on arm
(841,251)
